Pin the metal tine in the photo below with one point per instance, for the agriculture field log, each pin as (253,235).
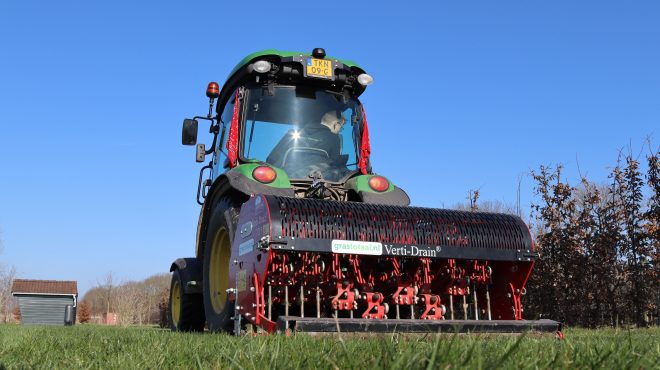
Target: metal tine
(488,302)
(286,300)
(270,302)
(318,302)
(465,306)
(451,305)
(302,300)
(476,305)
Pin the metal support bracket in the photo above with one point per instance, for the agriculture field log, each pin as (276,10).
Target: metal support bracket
(523,255)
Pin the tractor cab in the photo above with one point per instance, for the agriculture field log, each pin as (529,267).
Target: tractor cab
(297,118)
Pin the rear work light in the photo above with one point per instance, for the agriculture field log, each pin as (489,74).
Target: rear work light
(264,174)
(379,183)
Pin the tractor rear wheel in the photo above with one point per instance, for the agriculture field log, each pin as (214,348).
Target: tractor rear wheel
(217,252)
(186,311)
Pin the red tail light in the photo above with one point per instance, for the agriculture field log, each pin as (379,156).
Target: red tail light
(379,183)
(264,174)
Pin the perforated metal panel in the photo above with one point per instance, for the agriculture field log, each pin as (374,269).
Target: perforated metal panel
(321,219)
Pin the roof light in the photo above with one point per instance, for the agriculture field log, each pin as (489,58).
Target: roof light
(295,135)
(379,183)
(264,174)
(365,79)
(213,90)
(261,66)
(318,53)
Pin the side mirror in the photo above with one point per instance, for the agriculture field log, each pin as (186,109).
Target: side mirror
(201,153)
(189,132)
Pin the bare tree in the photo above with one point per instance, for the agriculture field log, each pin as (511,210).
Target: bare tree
(106,290)
(635,239)
(653,232)
(127,302)
(6,280)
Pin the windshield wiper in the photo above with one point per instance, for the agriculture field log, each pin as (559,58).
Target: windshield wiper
(255,109)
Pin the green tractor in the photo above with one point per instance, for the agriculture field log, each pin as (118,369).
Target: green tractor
(297,233)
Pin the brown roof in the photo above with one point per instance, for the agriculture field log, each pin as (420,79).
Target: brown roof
(44,286)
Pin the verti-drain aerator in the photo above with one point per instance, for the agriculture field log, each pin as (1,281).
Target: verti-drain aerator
(297,233)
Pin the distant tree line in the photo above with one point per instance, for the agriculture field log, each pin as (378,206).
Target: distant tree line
(599,246)
(134,302)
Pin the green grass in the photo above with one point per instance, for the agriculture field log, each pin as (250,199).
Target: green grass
(89,346)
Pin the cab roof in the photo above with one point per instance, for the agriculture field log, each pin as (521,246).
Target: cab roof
(283,54)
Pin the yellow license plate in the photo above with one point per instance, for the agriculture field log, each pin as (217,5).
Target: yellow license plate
(320,68)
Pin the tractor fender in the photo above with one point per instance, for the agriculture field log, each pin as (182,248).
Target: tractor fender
(248,186)
(190,271)
(396,197)
(393,196)
(235,185)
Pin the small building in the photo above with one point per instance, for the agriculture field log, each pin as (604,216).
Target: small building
(109,318)
(45,301)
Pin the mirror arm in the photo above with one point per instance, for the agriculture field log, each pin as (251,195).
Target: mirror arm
(212,149)
(213,129)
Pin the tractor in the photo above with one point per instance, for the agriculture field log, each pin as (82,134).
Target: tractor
(298,233)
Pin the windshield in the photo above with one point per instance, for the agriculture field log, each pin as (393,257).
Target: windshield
(307,132)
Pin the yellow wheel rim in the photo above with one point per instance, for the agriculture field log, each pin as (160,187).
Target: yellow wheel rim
(175,298)
(218,270)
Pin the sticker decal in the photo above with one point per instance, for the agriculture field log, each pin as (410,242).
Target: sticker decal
(246,229)
(357,247)
(241,281)
(246,247)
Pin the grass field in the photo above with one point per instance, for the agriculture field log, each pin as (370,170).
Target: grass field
(88,346)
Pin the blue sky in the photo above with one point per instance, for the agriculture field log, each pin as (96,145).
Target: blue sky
(467,95)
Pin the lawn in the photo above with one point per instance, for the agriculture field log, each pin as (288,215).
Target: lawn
(89,346)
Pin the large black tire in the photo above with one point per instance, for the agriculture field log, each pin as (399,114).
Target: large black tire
(216,257)
(186,311)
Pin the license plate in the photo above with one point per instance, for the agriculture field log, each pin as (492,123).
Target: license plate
(320,68)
